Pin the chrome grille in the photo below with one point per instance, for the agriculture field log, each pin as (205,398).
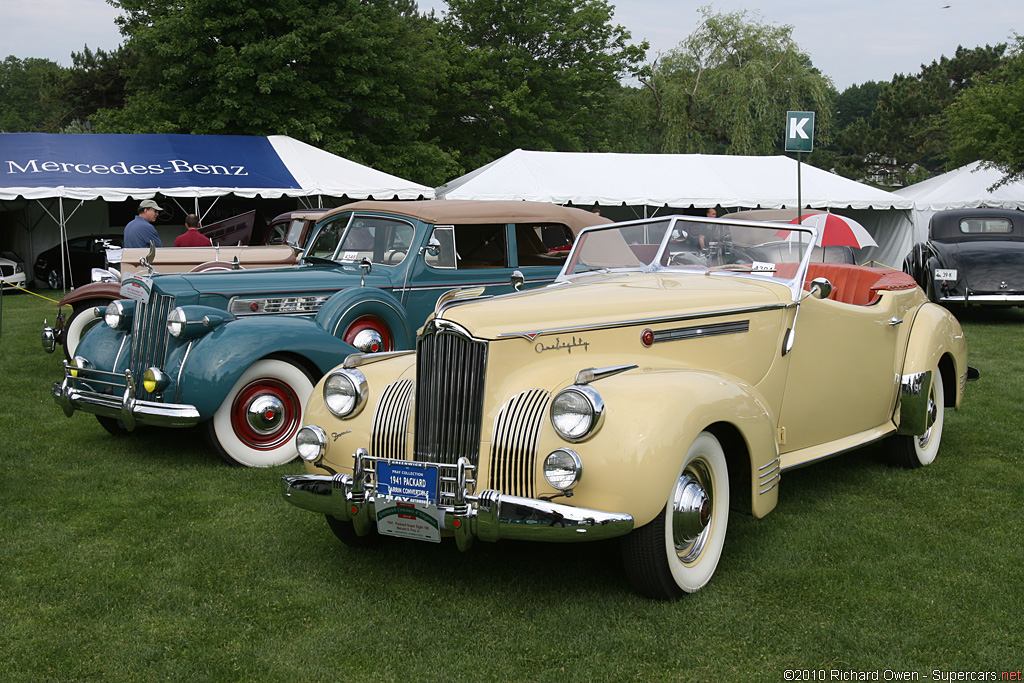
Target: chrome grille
(514,442)
(450,368)
(149,337)
(391,421)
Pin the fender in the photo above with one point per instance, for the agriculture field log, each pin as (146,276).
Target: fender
(935,328)
(342,308)
(214,362)
(93,290)
(651,413)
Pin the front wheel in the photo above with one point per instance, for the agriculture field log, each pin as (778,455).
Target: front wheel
(369,334)
(83,318)
(54,280)
(256,423)
(678,551)
(913,451)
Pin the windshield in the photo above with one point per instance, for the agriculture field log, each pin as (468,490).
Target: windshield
(350,238)
(751,249)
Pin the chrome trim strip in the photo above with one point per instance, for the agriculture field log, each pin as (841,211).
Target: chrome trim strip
(356,360)
(181,369)
(530,336)
(983,299)
(696,332)
(341,317)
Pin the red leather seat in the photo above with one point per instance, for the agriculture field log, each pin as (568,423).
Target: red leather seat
(858,285)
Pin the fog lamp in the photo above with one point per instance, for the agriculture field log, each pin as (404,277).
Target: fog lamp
(155,380)
(563,469)
(78,363)
(311,443)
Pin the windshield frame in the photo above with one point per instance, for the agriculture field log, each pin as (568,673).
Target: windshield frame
(809,237)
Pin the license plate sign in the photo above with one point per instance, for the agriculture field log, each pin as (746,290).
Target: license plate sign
(408,520)
(407,481)
(941,274)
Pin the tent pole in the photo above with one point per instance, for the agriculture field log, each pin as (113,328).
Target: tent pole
(64,246)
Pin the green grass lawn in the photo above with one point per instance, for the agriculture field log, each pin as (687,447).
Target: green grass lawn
(145,558)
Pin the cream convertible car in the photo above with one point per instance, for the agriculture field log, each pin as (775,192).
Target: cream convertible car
(651,388)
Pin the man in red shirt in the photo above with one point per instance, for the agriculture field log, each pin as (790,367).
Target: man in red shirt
(192,237)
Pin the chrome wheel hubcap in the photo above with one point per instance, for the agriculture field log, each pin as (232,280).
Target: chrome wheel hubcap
(692,504)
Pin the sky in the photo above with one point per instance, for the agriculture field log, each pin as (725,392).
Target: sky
(851,42)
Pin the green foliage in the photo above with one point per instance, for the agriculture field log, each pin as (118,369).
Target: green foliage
(984,122)
(96,80)
(532,74)
(356,78)
(727,87)
(910,109)
(28,96)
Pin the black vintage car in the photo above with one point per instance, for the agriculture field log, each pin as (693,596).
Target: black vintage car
(81,254)
(972,256)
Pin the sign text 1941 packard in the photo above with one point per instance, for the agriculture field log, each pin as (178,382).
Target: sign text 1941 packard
(653,386)
(240,350)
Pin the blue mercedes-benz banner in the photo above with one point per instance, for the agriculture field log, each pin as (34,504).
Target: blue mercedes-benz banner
(141,161)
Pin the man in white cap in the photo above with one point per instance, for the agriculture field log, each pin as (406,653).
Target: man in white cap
(140,231)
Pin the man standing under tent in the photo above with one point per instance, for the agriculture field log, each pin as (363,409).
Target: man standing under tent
(192,237)
(140,231)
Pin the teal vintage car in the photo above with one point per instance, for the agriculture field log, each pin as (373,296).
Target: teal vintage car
(240,351)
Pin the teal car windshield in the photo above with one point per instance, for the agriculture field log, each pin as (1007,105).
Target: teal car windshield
(350,238)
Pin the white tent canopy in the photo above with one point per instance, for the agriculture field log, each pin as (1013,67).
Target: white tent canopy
(680,181)
(964,188)
(659,180)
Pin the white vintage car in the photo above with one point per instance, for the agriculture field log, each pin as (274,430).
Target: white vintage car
(653,387)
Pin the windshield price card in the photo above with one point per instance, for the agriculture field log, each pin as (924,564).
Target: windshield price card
(405,498)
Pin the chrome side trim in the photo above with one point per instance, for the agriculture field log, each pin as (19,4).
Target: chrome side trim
(531,335)
(915,390)
(769,476)
(181,369)
(996,299)
(356,360)
(698,331)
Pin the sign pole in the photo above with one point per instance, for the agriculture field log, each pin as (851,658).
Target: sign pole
(799,139)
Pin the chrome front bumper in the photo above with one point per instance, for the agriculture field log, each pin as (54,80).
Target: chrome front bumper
(489,516)
(80,393)
(984,299)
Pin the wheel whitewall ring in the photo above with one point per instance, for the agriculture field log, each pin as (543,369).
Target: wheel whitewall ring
(274,388)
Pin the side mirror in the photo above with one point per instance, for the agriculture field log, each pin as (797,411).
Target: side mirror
(821,288)
(517,280)
(433,246)
(365,268)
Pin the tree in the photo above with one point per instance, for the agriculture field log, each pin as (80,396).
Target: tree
(983,123)
(534,74)
(727,87)
(354,77)
(909,113)
(27,101)
(96,80)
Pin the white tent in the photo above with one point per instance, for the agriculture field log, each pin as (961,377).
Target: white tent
(69,170)
(964,188)
(657,183)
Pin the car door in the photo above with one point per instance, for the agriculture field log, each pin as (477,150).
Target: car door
(844,372)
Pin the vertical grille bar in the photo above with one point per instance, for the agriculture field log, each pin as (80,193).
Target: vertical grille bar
(149,336)
(449,394)
(391,421)
(514,443)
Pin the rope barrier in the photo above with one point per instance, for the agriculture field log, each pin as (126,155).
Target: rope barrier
(11,286)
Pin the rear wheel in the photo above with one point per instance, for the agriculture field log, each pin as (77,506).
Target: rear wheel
(369,334)
(256,423)
(678,551)
(913,451)
(54,280)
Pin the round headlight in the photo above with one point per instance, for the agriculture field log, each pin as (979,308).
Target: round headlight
(345,392)
(563,469)
(577,412)
(116,316)
(311,442)
(176,322)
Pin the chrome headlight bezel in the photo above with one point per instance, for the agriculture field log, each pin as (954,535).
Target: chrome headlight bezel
(177,321)
(563,469)
(118,314)
(311,443)
(345,392)
(577,413)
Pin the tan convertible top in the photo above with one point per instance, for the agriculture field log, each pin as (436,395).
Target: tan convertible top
(452,211)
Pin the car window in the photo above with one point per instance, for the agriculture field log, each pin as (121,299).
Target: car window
(468,246)
(542,244)
(295,231)
(381,240)
(985,226)
(328,235)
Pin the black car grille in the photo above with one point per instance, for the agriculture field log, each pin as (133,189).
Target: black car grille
(450,368)
(6,270)
(149,337)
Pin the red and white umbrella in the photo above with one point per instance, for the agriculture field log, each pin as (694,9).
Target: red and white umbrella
(834,229)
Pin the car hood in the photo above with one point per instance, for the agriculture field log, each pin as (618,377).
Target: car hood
(991,266)
(288,281)
(629,298)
